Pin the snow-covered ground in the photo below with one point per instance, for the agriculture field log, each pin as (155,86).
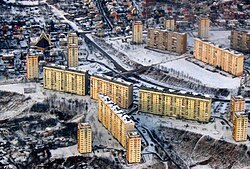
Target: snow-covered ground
(139,54)
(217,129)
(211,79)
(25,2)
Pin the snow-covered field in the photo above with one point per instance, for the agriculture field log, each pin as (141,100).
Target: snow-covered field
(25,2)
(211,79)
(216,129)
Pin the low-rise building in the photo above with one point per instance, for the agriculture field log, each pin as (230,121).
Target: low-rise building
(61,78)
(84,138)
(120,91)
(228,60)
(167,40)
(133,154)
(114,119)
(240,126)
(176,104)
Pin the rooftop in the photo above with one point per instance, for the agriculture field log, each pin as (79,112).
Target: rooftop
(177,92)
(116,109)
(62,67)
(112,79)
(134,133)
(241,114)
(219,46)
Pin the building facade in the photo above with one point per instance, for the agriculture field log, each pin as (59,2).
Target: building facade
(72,55)
(170,24)
(240,41)
(203,28)
(32,69)
(84,138)
(64,79)
(121,92)
(237,104)
(229,61)
(133,154)
(137,32)
(240,126)
(114,119)
(167,40)
(72,38)
(179,105)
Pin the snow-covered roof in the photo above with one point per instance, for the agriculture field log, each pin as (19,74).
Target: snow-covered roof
(177,92)
(112,79)
(62,67)
(116,109)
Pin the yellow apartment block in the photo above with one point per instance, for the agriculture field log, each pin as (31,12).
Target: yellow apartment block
(84,138)
(72,38)
(203,27)
(137,30)
(120,91)
(237,104)
(72,55)
(32,69)
(167,40)
(64,79)
(240,126)
(170,24)
(229,61)
(179,105)
(114,119)
(240,40)
(133,154)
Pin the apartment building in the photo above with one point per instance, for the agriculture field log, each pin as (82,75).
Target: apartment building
(72,55)
(61,78)
(176,104)
(32,70)
(227,60)
(203,27)
(120,91)
(72,38)
(137,30)
(114,119)
(237,104)
(167,40)
(240,41)
(133,154)
(170,24)
(240,126)
(84,138)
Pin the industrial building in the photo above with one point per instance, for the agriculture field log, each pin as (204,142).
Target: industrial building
(61,78)
(167,40)
(120,91)
(114,119)
(84,138)
(133,154)
(176,104)
(227,60)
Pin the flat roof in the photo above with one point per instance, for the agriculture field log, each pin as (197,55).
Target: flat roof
(219,46)
(177,92)
(241,114)
(84,125)
(116,109)
(134,133)
(112,79)
(66,68)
